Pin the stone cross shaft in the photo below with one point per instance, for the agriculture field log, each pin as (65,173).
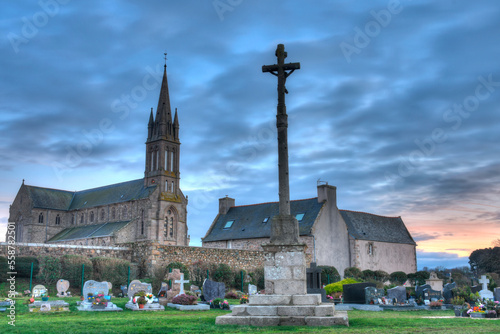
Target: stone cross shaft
(280,70)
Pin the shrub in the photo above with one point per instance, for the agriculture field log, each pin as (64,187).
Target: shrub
(50,270)
(23,266)
(71,269)
(181,266)
(398,277)
(330,273)
(353,272)
(368,274)
(4,268)
(185,300)
(231,295)
(198,272)
(238,283)
(111,270)
(222,273)
(257,278)
(338,286)
(381,276)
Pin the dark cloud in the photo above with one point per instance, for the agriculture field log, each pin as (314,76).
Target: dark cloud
(366,126)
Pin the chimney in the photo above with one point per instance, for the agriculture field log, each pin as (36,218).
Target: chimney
(327,193)
(224,204)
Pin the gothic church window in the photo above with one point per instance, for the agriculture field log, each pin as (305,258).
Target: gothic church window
(166,160)
(91,216)
(72,219)
(169,224)
(171,161)
(58,220)
(81,219)
(113,213)
(370,248)
(142,222)
(124,212)
(40,218)
(102,214)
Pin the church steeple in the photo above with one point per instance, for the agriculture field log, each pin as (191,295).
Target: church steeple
(163,146)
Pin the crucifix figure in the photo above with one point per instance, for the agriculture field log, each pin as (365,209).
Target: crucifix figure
(284,228)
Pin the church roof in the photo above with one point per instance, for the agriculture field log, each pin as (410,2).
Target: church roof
(249,221)
(45,198)
(366,226)
(89,231)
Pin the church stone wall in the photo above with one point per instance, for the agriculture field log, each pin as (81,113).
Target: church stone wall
(386,256)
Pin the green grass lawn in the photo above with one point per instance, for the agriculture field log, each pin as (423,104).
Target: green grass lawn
(173,321)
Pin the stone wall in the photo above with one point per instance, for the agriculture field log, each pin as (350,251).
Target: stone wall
(147,253)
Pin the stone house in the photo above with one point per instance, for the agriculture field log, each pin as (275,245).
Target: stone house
(334,237)
(152,208)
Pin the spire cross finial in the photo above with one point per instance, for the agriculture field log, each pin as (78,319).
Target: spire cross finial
(165,54)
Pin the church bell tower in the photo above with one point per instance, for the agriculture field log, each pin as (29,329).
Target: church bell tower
(163,146)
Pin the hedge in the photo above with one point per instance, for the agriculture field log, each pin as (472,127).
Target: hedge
(50,270)
(71,269)
(339,286)
(329,272)
(23,266)
(111,270)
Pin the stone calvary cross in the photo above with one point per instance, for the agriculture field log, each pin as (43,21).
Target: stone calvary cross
(284,228)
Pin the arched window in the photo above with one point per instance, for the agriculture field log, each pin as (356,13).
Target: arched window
(102,214)
(58,220)
(169,224)
(81,219)
(72,219)
(40,218)
(171,161)
(113,213)
(173,188)
(166,160)
(125,212)
(91,216)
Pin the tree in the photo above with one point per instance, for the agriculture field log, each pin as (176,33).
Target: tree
(486,260)
(496,243)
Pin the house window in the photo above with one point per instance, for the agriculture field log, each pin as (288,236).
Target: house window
(58,220)
(91,216)
(40,218)
(370,248)
(299,216)
(228,224)
(265,220)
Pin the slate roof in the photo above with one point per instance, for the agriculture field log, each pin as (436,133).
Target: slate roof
(366,226)
(248,220)
(89,231)
(46,198)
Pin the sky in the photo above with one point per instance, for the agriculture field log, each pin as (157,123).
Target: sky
(396,104)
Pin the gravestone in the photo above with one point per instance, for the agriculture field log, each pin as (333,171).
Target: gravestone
(484,293)
(124,290)
(252,289)
(163,290)
(213,290)
(435,282)
(175,290)
(62,288)
(95,288)
(355,293)
(397,294)
(152,302)
(432,295)
(313,276)
(419,291)
(372,295)
(39,290)
(496,294)
(448,292)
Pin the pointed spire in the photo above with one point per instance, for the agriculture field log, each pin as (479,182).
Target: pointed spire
(150,125)
(176,125)
(163,112)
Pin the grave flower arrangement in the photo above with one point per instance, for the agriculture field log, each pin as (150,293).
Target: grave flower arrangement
(478,308)
(185,300)
(100,301)
(244,299)
(219,303)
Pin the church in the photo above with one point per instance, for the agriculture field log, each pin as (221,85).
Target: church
(149,209)
(339,238)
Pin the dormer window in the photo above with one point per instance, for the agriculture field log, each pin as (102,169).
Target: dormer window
(228,224)
(299,216)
